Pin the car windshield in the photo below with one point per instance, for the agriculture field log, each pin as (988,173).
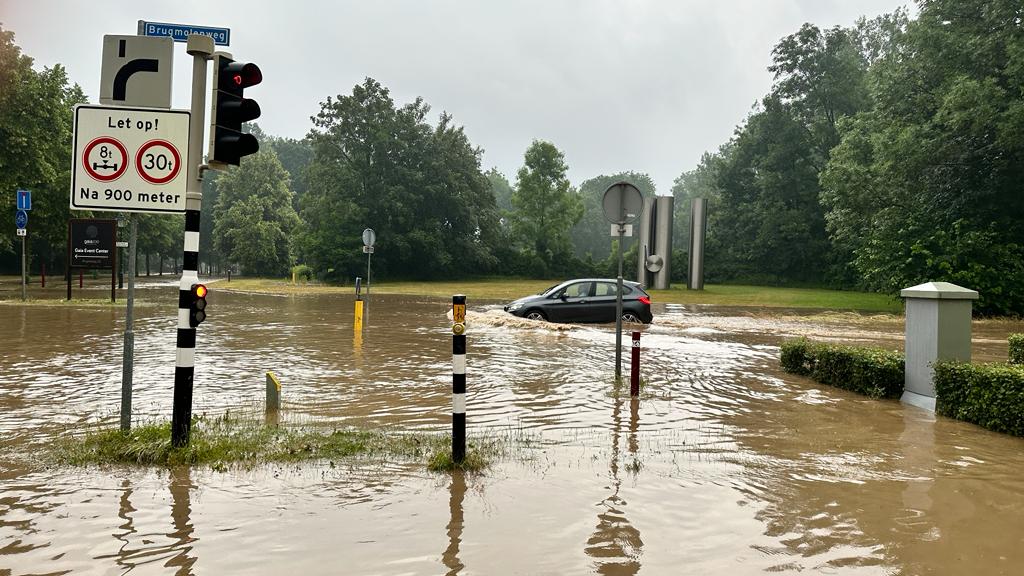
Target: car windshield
(548,290)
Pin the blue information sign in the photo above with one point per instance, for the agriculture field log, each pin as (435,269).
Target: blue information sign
(180,32)
(21,218)
(24,200)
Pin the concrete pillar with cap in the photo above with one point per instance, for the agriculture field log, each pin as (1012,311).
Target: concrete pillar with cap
(938,327)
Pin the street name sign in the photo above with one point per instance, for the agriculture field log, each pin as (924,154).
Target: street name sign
(180,32)
(129,159)
(136,71)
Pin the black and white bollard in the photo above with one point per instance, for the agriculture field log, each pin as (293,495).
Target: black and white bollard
(458,378)
(184,366)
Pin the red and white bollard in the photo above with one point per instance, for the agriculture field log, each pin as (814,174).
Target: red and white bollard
(634,367)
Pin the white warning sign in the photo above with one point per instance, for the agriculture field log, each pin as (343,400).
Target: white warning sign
(129,159)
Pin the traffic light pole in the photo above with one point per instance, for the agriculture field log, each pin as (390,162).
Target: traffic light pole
(201,50)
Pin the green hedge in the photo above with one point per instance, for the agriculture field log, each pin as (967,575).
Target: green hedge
(1016,348)
(873,372)
(989,395)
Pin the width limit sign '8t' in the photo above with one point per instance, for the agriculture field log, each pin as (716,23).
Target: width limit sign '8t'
(129,159)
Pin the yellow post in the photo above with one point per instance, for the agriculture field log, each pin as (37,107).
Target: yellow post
(273,392)
(357,323)
(293,277)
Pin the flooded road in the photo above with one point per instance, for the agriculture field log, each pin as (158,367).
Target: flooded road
(725,465)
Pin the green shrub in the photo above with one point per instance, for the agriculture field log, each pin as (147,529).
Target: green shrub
(302,272)
(795,357)
(1016,348)
(873,372)
(989,395)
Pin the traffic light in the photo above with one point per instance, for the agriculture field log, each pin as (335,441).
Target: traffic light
(230,110)
(197,305)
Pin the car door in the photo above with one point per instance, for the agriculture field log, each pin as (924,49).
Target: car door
(603,302)
(571,303)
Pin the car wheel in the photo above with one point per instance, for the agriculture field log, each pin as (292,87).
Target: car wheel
(536,315)
(631,318)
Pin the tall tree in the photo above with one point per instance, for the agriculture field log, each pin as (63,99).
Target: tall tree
(35,144)
(254,215)
(768,222)
(545,205)
(501,188)
(295,156)
(820,75)
(701,182)
(418,186)
(925,185)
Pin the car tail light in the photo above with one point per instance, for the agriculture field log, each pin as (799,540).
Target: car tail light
(645,300)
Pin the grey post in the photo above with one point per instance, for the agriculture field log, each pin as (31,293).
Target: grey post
(618,311)
(369,238)
(24,271)
(129,336)
(938,327)
(623,204)
(201,49)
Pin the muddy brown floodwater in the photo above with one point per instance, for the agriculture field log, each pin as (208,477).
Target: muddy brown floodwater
(725,465)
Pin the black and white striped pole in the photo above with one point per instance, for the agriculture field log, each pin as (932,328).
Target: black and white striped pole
(201,49)
(458,378)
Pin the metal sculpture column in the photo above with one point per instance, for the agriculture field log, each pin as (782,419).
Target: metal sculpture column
(698,232)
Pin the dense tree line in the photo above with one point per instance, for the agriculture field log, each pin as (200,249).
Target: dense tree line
(35,154)
(885,154)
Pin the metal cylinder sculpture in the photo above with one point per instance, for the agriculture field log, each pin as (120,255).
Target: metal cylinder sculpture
(634,367)
(458,378)
(645,243)
(654,259)
(698,233)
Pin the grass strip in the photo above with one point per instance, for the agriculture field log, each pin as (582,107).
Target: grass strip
(508,289)
(227,440)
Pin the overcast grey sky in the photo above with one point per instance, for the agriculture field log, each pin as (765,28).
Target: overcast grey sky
(616,85)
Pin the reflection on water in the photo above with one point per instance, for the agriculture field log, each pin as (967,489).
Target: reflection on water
(457,488)
(616,544)
(724,465)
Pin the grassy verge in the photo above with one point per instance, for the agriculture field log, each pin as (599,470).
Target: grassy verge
(226,440)
(511,288)
(74,302)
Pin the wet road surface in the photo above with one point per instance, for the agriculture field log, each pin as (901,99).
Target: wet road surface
(725,465)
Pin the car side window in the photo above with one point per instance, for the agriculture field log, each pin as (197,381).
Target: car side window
(604,289)
(578,290)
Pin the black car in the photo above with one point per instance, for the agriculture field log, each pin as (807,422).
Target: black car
(585,300)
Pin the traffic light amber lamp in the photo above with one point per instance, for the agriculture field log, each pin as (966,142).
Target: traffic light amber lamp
(230,110)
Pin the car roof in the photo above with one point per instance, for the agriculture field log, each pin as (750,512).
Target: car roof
(612,280)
